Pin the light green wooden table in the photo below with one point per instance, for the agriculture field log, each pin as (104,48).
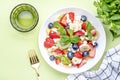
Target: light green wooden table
(14,62)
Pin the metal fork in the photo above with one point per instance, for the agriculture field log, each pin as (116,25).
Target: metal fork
(34,61)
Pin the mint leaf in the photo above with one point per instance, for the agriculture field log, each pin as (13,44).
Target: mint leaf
(56,24)
(89,28)
(115,17)
(71,38)
(62,31)
(58,56)
(70,31)
(74,39)
(60,28)
(65,39)
(114,34)
(65,60)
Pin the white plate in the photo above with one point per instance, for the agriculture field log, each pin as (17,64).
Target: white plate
(101,41)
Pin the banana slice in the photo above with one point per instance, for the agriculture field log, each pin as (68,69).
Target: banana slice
(84,47)
(48,30)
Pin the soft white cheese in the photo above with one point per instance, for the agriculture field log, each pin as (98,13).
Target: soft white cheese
(55,40)
(82,38)
(77,17)
(70,65)
(68,19)
(54,29)
(76,25)
(76,60)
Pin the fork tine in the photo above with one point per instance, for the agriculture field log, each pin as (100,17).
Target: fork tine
(37,60)
(30,56)
(33,57)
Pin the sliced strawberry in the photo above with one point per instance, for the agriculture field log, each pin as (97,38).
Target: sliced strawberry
(53,34)
(80,43)
(84,25)
(89,42)
(59,51)
(78,33)
(92,51)
(71,16)
(57,60)
(78,54)
(82,63)
(48,42)
(63,20)
(74,64)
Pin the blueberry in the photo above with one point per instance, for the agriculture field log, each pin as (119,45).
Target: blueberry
(70,54)
(95,44)
(85,53)
(50,25)
(67,27)
(83,18)
(75,46)
(51,57)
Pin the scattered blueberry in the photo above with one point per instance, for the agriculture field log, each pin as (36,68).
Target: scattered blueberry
(83,18)
(85,53)
(70,54)
(51,57)
(67,27)
(75,46)
(50,25)
(95,44)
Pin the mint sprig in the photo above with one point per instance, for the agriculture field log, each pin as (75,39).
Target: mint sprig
(65,38)
(71,38)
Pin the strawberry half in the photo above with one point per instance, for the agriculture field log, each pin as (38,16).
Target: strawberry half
(84,25)
(48,42)
(78,54)
(80,43)
(59,51)
(81,64)
(63,20)
(71,16)
(78,33)
(53,34)
(92,51)
(57,60)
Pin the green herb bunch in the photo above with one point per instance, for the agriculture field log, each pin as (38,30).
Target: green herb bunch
(109,12)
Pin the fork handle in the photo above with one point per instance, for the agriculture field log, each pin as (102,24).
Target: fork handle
(38,75)
(39,78)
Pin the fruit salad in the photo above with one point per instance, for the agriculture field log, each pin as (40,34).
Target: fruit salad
(71,40)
